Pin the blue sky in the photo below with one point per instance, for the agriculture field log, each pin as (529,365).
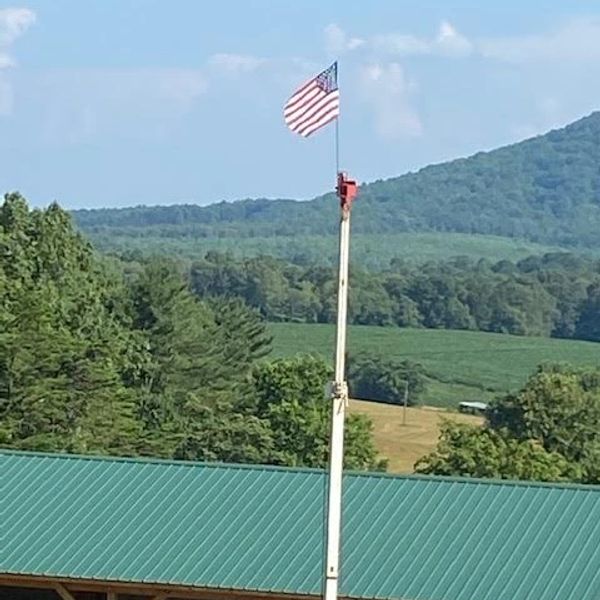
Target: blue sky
(125,102)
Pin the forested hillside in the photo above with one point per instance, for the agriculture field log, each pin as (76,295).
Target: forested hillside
(370,251)
(546,190)
(93,360)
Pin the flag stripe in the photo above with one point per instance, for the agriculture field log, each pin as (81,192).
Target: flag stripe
(298,93)
(298,99)
(314,104)
(325,107)
(330,116)
(306,103)
(321,124)
(311,109)
(317,118)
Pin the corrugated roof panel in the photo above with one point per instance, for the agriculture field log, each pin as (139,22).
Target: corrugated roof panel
(261,529)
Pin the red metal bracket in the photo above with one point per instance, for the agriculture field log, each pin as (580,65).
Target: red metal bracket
(347,189)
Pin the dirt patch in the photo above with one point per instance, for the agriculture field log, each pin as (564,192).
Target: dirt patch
(403,444)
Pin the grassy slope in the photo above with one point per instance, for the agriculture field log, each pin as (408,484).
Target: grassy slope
(404,443)
(370,251)
(464,365)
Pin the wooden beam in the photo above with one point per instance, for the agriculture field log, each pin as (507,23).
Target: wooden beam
(110,595)
(140,589)
(63,592)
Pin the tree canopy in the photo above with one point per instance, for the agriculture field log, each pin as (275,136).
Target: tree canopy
(99,359)
(549,431)
(383,379)
(555,295)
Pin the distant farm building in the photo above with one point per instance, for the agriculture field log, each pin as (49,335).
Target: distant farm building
(125,529)
(475,408)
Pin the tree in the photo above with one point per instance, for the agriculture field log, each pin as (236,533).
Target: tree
(62,348)
(522,307)
(369,303)
(373,377)
(188,352)
(588,324)
(549,430)
(96,359)
(283,419)
(551,295)
(559,408)
(220,434)
(468,450)
(289,395)
(242,331)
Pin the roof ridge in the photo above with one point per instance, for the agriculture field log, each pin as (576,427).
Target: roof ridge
(306,470)
(158,461)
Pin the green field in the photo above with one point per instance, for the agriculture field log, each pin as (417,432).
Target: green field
(463,365)
(370,251)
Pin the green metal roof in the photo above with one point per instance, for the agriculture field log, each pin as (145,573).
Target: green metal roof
(260,528)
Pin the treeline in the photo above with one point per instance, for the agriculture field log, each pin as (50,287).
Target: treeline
(554,295)
(547,431)
(93,360)
(546,190)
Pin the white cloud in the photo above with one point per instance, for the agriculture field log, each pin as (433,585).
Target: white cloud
(236,63)
(83,104)
(387,89)
(14,22)
(401,44)
(578,40)
(6,61)
(448,42)
(337,41)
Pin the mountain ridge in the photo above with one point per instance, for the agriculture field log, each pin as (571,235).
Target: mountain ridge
(545,189)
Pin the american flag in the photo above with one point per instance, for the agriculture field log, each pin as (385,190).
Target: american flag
(315,104)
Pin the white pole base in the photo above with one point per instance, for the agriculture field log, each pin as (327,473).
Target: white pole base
(331,589)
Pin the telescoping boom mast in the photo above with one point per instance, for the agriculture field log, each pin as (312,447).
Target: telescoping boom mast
(347,190)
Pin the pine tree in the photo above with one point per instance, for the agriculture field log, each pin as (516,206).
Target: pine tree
(61,346)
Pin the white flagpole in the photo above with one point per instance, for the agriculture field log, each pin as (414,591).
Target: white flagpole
(339,397)
(339,394)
